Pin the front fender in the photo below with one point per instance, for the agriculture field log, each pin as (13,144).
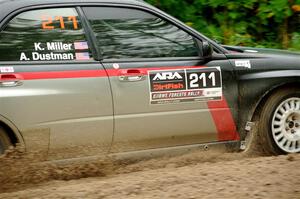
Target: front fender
(255,88)
(271,74)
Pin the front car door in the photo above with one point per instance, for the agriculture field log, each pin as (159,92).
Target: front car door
(164,93)
(50,87)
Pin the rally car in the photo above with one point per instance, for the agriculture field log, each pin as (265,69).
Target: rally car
(82,78)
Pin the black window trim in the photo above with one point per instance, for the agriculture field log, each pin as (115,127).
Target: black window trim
(33,63)
(88,31)
(91,39)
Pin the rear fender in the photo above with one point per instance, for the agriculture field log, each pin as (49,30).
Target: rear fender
(14,129)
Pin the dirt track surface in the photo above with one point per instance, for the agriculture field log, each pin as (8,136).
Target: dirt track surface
(194,175)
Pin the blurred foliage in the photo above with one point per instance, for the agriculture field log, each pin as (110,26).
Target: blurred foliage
(257,23)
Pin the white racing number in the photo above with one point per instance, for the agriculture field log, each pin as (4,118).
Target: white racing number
(195,79)
(205,79)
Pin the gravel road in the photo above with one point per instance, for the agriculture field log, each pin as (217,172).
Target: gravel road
(193,175)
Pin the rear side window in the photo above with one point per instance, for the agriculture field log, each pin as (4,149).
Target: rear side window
(131,33)
(44,35)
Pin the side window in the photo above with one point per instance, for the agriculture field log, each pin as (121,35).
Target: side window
(44,35)
(131,33)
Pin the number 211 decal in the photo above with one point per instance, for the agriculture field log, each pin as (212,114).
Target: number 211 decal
(185,85)
(48,23)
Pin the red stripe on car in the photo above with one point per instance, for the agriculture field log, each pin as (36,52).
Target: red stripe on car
(87,73)
(223,120)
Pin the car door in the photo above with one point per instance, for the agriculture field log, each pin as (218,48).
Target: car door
(50,86)
(164,93)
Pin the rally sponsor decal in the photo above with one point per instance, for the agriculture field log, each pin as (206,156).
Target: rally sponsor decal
(243,63)
(185,85)
(7,69)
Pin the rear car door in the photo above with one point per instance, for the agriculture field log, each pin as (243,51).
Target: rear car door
(164,93)
(50,87)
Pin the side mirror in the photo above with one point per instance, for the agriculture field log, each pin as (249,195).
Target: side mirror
(206,50)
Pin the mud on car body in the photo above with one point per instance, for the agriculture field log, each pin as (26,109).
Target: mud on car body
(122,76)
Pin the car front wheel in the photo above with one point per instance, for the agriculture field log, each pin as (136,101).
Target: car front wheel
(279,123)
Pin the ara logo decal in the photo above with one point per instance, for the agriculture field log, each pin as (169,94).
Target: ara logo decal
(167,76)
(167,80)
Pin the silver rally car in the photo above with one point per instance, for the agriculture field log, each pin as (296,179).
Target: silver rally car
(82,78)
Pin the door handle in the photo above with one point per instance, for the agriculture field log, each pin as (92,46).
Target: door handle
(131,75)
(10,80)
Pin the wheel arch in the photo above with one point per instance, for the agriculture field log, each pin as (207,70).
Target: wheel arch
(254,114)
(12,131)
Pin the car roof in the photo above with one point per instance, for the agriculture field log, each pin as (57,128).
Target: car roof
(9,6)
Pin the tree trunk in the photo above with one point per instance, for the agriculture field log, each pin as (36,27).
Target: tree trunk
(285,40)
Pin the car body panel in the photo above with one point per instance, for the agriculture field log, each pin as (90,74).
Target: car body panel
(75,109)
(270,51)
(142,125)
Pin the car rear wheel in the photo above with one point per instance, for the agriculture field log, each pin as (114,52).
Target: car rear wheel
(279,123)
(4,141)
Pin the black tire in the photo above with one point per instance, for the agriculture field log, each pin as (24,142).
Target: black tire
(4,141)
(272,123)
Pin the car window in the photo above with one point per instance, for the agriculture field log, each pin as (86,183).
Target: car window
(44,35)
(131,33)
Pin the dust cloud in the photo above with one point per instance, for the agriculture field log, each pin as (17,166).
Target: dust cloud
(198,174)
